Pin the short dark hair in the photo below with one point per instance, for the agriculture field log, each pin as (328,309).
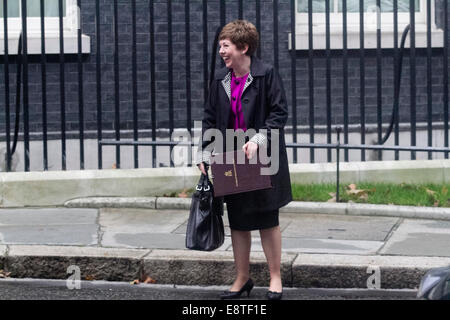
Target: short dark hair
(240,33)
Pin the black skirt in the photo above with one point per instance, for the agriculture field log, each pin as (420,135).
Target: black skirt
(251,221)
(239,216)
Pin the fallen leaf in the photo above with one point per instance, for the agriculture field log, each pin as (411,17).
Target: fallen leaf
(4,274)
(361,194)
(149,280)
(143,278)
(183,194)
(364,196)
(355,192)
(430,192)
(89,277)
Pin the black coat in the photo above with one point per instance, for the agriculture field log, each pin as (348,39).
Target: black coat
(265,107)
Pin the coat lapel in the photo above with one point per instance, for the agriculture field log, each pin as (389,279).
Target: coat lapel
(256,70)
(226,84)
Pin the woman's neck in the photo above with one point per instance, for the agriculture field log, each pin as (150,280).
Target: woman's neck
(243,68)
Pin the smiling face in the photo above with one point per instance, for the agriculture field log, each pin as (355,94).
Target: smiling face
(231,55)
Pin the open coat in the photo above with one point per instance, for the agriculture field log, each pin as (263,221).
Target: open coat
(264,107)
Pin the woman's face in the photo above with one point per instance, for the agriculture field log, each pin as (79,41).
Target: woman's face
(230,54)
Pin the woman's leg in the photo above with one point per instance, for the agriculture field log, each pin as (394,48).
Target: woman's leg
(241,241)
(271,243)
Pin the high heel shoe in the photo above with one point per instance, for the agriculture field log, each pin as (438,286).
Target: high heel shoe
(271,295)
(248,286)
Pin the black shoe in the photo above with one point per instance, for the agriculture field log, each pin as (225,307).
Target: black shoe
(248,286)
(271,295)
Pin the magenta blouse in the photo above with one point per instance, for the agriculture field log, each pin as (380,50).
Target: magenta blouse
(237,86)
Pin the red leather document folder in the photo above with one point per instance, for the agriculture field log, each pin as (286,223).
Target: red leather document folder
(238,174)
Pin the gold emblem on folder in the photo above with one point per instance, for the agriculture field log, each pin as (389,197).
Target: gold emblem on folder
(229,173)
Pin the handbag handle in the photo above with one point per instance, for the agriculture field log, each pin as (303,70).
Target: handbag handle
(203,184)
(199,186)
(206,186)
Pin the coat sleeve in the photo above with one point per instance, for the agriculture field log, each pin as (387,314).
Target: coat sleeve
(278,108)
(205,146)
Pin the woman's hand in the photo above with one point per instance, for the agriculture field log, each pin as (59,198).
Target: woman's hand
(201,167)
(250,149)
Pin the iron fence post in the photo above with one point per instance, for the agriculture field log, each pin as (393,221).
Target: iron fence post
(338,145)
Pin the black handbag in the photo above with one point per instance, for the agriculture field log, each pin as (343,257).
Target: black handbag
(205,231)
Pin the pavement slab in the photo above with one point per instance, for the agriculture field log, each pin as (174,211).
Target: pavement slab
(141,220)
(50,226)
(337,227)
(420,238)
(75,234)
(152,240)
(142,228)
(47,216)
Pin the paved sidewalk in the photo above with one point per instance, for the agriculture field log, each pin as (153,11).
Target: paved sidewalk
(122,244)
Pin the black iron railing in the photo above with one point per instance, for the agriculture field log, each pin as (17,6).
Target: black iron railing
(242,10)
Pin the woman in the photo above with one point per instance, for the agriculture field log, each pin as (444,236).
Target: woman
(248,93)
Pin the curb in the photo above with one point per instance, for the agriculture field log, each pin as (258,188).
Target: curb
(182,267)
(353,209)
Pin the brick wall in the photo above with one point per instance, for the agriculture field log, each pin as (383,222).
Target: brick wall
(197,65)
